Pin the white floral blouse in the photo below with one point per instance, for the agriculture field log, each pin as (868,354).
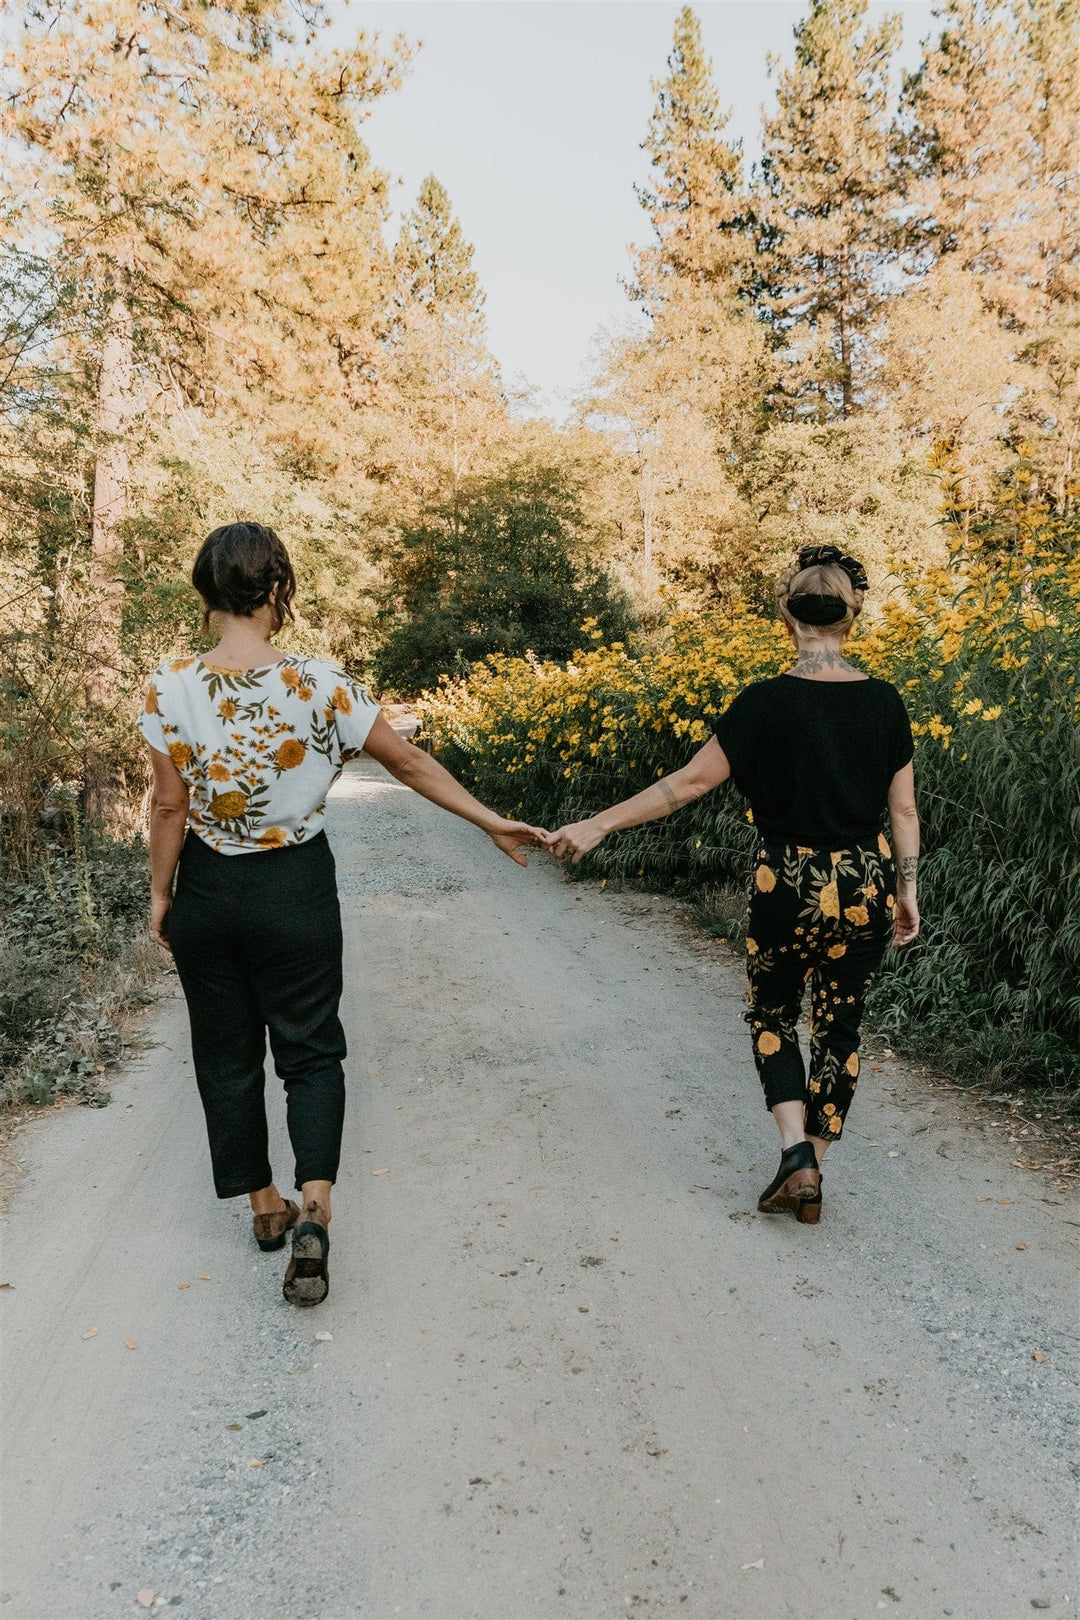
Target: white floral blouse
(259,749)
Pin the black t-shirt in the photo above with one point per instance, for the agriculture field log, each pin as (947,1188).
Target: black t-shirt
(815,758)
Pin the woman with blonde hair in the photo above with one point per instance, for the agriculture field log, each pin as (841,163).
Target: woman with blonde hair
(245,744)
(821,752)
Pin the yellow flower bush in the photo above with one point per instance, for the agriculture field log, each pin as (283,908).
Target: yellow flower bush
(986,653)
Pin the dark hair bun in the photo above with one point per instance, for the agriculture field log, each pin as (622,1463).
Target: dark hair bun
(238,567)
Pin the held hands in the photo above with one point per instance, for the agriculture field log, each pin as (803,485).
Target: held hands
(574,842)
(514,836)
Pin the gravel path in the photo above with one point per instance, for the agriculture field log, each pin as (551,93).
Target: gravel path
(565,1370)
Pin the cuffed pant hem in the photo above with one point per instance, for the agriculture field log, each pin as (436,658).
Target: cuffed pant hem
(241,1187)
(317,1173)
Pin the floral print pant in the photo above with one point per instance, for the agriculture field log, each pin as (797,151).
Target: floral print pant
(822,917)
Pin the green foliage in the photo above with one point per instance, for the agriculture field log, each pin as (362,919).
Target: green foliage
(504,568)
(987,653)
(68,969)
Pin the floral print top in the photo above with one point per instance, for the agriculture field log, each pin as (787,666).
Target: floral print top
(259,749)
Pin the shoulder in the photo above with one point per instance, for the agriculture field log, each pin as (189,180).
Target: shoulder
(758,695)
(333,684)
(174,674)
(887,694)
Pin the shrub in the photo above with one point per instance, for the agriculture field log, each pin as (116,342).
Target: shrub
(73,956)
(987,654)
(503,568)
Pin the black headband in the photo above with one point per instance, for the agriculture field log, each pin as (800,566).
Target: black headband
(819,556)
(811,608)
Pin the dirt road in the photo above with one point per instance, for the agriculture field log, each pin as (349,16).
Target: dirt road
(571,1373)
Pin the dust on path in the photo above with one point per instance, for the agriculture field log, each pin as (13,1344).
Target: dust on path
(571,1372)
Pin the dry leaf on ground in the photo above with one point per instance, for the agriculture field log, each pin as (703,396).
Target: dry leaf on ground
(91,1333)
(1037,1355)
(203,1277)
(130,1343)
(258,1462)
(381,1172)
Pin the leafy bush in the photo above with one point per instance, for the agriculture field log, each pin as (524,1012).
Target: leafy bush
(504,568)
(73,956)
(987,654)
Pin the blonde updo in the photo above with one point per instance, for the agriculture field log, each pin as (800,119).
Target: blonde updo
(821,579)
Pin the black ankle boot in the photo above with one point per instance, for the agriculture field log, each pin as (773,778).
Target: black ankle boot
(795,1184)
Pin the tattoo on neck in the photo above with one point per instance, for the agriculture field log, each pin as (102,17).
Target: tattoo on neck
(669,794)
(812,663)
(909,865)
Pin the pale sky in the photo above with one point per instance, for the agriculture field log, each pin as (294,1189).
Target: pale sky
(531,113)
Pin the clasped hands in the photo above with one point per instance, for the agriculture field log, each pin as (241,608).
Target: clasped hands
(571,843)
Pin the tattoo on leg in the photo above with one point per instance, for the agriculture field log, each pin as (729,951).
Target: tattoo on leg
(669,794)
(909,865)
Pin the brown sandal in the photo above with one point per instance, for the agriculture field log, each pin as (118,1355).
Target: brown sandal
(270,1230)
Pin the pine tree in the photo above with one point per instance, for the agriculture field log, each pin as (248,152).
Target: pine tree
(205,184)
(682,394)
(826,204)
(970,111)
(447,395)
(992,114)
(433,263)
(694,198)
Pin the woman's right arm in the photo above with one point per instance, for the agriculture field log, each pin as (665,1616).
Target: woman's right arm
(905,839)
(168,823)
(417,770)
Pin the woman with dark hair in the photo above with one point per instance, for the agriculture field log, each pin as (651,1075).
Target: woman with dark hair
(246,742)
(820,752)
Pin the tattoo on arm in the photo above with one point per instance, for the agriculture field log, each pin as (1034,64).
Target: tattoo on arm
(909,865)
(669,794)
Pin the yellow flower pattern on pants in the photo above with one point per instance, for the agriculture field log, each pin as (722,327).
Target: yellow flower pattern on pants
(824,920)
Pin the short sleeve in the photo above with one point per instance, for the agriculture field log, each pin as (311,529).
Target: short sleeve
(355,712)
(150,721)
(734,731)
(902,749)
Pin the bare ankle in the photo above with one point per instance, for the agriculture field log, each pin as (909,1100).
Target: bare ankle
(266,1201)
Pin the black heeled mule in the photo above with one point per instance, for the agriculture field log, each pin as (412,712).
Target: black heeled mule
(796,1187)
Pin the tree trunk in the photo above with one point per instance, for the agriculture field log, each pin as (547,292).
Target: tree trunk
(645,499)
(107,553)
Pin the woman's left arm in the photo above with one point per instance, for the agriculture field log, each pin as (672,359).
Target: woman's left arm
(168,822)
(708,768)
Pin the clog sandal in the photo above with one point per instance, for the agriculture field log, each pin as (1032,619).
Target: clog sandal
(307,1279)
(270,1230)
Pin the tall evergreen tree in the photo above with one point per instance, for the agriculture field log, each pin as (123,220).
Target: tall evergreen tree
(827,204)
(694,196)
(433,262)
(683,394)
(204,183)
(991,116)
(970,111)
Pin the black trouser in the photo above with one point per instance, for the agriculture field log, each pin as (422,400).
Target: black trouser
(257,944)
(823,916)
